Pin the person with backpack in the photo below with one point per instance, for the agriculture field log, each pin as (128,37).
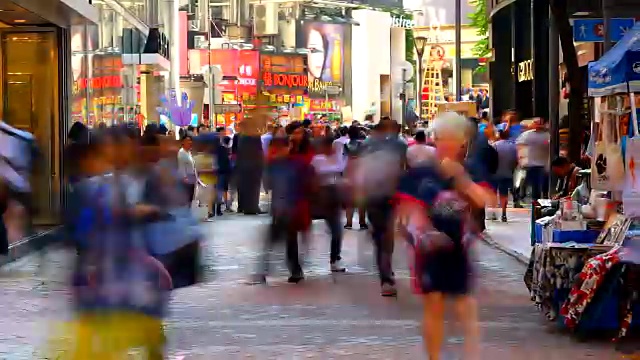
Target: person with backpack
(379,167)
(351,149)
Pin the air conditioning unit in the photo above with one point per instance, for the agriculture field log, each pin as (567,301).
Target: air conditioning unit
(200,42)
(265,19)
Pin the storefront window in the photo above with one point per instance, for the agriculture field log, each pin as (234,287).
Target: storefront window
(79,69)
(105,88)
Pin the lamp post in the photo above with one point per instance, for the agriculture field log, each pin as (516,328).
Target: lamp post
(420,43)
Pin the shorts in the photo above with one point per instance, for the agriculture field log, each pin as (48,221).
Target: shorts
(503,186)
(446,272)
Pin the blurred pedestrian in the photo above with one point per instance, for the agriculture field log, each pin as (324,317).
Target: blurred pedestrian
(437,199)
(534,144)
(187,168)
(503,178)
(375,178)
(352,149)
(328,166)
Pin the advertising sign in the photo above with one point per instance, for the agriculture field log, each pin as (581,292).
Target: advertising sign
(241,64)
(283,71)
(325,61)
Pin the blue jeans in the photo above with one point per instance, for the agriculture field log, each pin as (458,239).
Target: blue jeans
(538,180)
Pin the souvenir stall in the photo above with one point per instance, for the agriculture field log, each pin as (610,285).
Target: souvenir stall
(583,271)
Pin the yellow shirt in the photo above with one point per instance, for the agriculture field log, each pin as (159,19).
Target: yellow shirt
(204,166)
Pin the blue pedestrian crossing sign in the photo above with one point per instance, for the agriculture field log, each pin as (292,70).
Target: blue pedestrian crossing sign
(592,30)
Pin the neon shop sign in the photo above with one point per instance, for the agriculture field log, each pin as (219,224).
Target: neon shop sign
(292,81)
(318,86)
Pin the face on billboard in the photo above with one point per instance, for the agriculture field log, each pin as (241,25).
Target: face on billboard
(317,55)
(325,43)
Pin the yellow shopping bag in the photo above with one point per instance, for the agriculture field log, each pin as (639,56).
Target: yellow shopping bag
(109,336)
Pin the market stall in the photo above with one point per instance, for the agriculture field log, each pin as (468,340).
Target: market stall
(583,271)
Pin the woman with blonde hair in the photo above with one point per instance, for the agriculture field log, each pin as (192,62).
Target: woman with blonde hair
(437,199)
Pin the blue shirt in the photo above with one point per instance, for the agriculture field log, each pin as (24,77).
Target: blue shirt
(515,130)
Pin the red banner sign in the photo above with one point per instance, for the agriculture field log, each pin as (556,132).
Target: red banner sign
(292,81)
(242,64)
(101,82)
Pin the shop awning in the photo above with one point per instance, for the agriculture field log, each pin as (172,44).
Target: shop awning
(618,70)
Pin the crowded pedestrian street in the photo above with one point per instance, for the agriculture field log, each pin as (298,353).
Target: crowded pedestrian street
(339,316)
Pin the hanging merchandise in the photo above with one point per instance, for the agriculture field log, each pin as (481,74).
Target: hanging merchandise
(631,193)
(607,160)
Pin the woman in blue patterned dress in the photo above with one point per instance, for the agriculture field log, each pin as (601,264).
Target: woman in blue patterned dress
(437,200)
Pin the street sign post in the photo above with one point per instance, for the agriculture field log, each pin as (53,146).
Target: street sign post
(227,108)
(592,30)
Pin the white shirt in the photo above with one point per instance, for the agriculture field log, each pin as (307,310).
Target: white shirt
(418,154)
(187,166)
(328,168)
(534,148)
(338,148)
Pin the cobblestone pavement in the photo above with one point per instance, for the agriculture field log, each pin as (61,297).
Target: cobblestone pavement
(324,317)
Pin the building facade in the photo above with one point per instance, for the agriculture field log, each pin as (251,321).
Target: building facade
(78,60)
(519,69)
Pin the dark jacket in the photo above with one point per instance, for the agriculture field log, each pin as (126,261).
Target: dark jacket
(477,159)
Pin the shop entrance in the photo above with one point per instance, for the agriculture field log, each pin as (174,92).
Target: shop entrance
(30,101)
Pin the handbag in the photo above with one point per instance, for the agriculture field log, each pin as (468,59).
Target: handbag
(175,241)
(607,161)
(199,207)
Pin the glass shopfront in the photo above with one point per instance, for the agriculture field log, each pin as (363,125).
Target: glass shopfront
(109,65)
(105,91)
(30,92)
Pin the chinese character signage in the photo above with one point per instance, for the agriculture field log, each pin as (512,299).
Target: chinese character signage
(283,71)
(242,64)
(325,43)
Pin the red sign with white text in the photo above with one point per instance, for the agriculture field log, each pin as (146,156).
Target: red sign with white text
(242,64)
(292,81)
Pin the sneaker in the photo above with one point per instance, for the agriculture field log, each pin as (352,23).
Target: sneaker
(388,290)
(337,267)
(364,227)
(348,226)
(504,218)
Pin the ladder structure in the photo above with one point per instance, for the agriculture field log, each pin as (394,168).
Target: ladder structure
(432,90)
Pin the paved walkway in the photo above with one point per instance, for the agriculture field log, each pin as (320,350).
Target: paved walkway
(325,317)
(514,236)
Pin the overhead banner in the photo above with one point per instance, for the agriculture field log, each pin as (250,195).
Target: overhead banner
(325,61)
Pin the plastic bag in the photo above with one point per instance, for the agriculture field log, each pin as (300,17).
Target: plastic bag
(107,336)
